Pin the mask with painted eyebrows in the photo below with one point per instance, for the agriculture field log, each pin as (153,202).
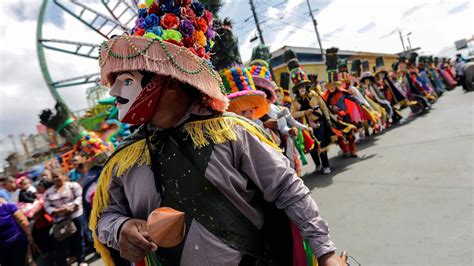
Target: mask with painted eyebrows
(126,88)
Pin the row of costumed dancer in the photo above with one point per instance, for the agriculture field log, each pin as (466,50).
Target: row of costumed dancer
(343,109)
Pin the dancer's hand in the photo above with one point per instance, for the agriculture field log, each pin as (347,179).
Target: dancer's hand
(331,259)
(271,124)
(293,131)
(134,240)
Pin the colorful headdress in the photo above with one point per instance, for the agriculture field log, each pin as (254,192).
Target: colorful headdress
(412,59)
(356,67)
(261,56)
(260,71)
(297,75)
(242,93)
(225,52)
(430,62)
(285,85)
(285,80)
(331,65)
(365,66)
(244,100)
(313,78)
(379,66)
(423,61)
(379,62)
(343,71)
(395,66)
(237,79)
(402,65)
(170,38)
(367,74)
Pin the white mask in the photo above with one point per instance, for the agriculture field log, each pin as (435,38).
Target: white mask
(126,88)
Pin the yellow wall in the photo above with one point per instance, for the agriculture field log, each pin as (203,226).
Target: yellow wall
(320,68)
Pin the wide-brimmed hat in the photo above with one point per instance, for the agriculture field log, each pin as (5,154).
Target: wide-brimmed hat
(367,75)
(379,66)
(260,70)
(170,39)
(242,93)
(251,99)
(263,79)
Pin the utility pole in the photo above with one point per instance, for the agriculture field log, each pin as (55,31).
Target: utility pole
(401,39)
(252,6)
(316,30)
(409,42)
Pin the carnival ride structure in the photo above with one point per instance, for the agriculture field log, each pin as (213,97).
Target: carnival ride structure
(100,118)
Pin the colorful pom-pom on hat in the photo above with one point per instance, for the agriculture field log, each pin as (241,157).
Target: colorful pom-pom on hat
(297,74)
(242,93)
(260,70)
(263,80)
(171,38)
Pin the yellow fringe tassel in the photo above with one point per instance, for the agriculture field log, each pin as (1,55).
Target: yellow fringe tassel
(218,130)
(221,129)
(135,154)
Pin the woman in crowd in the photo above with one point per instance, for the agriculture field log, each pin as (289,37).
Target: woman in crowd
(43,222)
(15,234)
(63,200)
(27,191)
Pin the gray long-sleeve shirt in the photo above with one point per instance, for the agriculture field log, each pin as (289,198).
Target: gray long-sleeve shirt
(230,165)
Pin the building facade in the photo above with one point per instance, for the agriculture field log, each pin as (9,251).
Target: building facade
(312,61)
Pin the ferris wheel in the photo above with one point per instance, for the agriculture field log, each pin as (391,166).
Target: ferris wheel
(103,19)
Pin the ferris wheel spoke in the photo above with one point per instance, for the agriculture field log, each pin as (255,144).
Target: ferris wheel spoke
(87,50)
(120,10)
(100,23)
(135,3)
(85,79)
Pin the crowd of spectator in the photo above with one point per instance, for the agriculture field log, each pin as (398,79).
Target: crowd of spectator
(43,220)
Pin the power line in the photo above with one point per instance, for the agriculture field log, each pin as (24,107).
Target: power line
(288,12)
(292,25)
(255,17)
(275,5)
(245,20)
(316,30)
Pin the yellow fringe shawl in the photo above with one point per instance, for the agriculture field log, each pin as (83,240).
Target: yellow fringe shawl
(218,130)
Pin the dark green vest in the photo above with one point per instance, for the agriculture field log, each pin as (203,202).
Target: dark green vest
(180,169)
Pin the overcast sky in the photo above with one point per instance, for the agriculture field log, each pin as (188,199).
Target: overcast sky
(350,25)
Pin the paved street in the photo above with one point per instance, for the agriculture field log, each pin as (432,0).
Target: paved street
(409,198)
